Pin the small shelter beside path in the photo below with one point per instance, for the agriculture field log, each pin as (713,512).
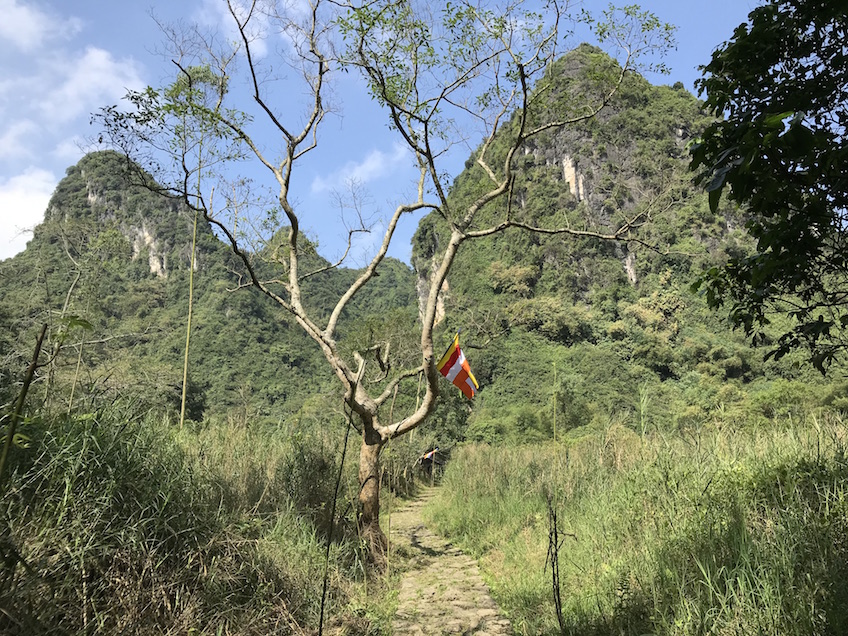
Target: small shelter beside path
(433,461)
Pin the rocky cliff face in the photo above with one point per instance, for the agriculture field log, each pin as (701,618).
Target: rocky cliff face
(627,162)
(95,196)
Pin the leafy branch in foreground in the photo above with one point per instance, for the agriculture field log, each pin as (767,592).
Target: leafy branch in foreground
(781,84)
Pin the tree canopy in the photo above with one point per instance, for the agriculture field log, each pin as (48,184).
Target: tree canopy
(781,86)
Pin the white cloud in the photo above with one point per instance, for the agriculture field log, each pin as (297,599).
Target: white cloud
(23,200)
(27,26)
(284,20)
(70,150)
(87,82)
(364,245)
(49,87)
(57,95)
(14,139)
(376,165)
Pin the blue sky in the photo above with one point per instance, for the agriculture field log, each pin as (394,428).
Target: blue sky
(64,59)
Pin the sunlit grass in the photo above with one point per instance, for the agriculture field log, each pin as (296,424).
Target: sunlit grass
(707,532)
(113,525)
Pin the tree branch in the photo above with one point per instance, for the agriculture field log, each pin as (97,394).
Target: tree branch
(390,387)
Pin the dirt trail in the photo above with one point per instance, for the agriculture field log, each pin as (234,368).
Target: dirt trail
(441,591)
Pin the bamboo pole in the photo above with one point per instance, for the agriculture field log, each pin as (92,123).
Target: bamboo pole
(188,323)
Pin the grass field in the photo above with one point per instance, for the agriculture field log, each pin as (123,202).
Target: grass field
(710,531)
(110,523)
(114,523)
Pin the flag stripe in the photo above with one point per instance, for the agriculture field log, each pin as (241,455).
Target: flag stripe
(460,378)
(471,375)
(467,387)
(455,368)
(449,359)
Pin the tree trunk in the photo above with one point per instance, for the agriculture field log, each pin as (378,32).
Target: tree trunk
(369,499)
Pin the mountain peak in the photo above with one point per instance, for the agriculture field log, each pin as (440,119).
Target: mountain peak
(96,195)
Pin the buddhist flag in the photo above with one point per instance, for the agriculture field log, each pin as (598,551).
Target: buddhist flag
(454,367)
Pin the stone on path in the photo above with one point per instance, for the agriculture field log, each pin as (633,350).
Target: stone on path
(441,591)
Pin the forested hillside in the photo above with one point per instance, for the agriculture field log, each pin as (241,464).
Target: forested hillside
(117,256)
(614,321)
(607,329)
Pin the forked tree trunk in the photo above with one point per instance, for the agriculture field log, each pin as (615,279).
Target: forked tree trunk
(369,499)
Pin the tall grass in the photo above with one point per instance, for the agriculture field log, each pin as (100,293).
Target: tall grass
(113,525)
(716,532)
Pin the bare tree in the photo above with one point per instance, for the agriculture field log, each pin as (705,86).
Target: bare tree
(460,72)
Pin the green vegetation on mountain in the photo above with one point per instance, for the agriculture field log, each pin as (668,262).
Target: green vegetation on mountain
(628,338)
(118,256)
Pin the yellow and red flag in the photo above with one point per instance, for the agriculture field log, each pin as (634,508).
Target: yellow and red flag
(454,367)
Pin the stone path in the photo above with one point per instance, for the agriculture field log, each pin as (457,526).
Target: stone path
(441,591)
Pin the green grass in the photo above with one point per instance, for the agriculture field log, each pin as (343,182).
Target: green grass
(717,532)
(113,525)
